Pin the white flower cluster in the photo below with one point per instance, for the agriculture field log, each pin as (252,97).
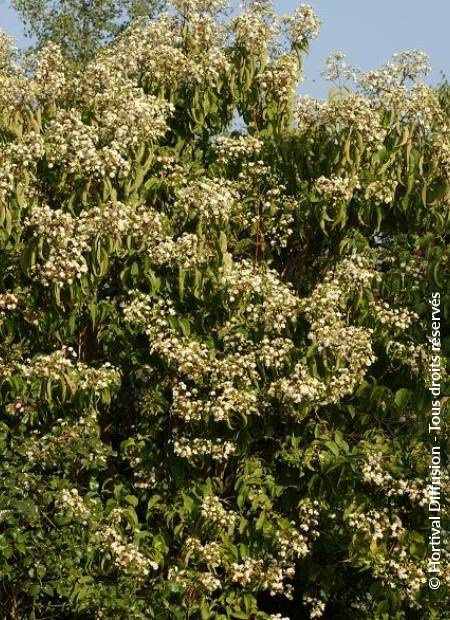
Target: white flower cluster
(7,177)
(16,91)
(53,365)
(281,220)
(127,556)
(190,448)
(309,513)
(63,240)
(211,200)
(24,151)
(148,49)
(302,26)
(225,380)
(210,553)
(72,144)
(264,204)
(134,118)
(382,192)
(399,569)
(415,356)
(117,220)
(275,575)
(373,472)
(185,402)
(8,366)
(263,298)
(232,149)
(378,524)
(257,28)
(396,262)
(49,73)
(292,543)
(328,301)
(72,500)
(334,189)
(398,318)
(382,91)
(253,33)
(66,435)
(391,563)
(408,65)
(8,302)
(271,574)
(273,352)
(256,173)
(39,80)
(145,477)
(97,379)
(139,309)
(227,398)
(191,580)
(213,512)
(4,513)
(7,52)
(167,167)
(338,70)
(126,120)
(308,112)
(224,399)
(419,105)
(350,272)
(350,346)
(56,231)
(279,79)
(352,113)
(58,367)
(209,581)
(185,251)
(247,571)
(189,357)
(168,54)
(299,388)
(316,604)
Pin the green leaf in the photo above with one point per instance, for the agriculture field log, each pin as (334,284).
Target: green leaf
(402,397)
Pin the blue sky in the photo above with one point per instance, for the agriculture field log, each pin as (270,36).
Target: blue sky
(367,31)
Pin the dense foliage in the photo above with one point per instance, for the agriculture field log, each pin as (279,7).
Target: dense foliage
(214,361)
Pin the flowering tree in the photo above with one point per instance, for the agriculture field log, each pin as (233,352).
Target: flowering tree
(214,361)
(80,27)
